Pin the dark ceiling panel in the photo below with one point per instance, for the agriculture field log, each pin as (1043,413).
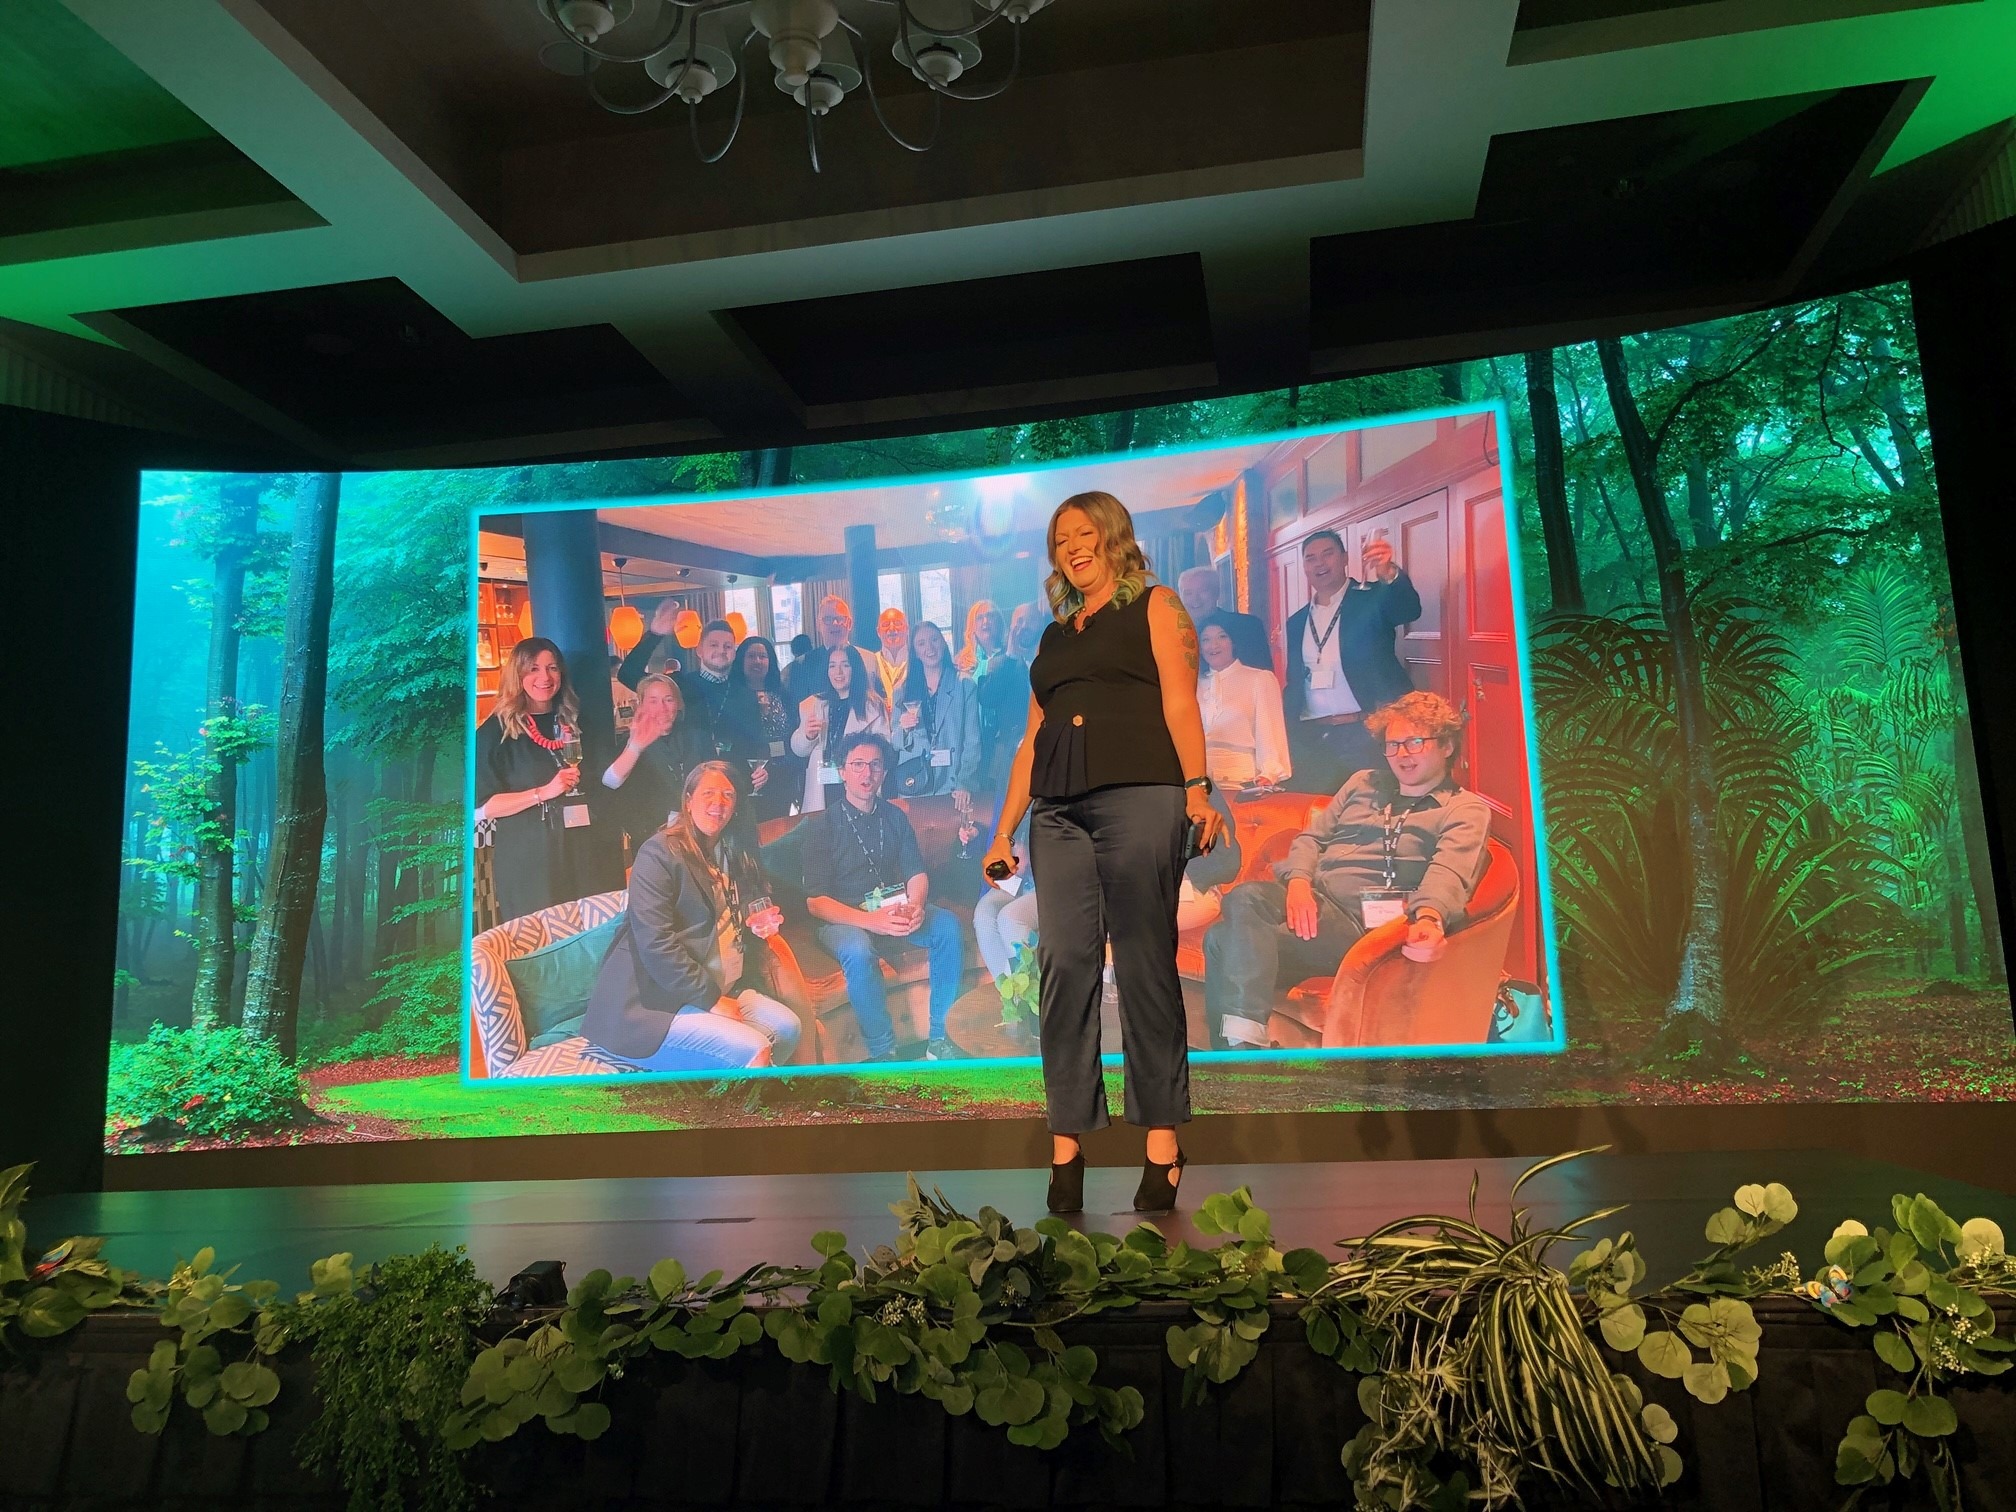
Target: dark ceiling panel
(176,178)
(372,363)
(1613,215)
(983,333)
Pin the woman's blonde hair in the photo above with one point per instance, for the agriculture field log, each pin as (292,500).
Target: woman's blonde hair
(666,681)
(514,710)
(969,654)
(1123,553)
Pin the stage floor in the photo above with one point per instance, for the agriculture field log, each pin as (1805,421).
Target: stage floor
(733,1221)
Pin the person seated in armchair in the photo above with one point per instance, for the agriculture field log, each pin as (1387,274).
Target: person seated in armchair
(1402,840)
(688,982)
(865,884)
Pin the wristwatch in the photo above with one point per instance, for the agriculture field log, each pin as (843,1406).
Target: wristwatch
(1200,782)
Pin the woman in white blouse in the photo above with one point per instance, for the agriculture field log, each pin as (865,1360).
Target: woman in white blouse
(1245,737)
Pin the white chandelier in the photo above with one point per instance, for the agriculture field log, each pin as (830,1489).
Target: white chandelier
(811,48)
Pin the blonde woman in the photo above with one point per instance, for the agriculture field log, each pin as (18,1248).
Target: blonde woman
(986,638)
(649,773)
(1112,774)
(528,776)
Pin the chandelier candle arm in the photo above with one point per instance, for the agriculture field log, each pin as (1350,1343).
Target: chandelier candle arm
(875,104)
(735,124)
(811,48)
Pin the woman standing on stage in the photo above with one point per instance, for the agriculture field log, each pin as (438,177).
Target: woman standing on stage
(528,772)
(1113,764)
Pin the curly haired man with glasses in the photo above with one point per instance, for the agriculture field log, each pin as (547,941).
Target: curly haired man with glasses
(1400,840)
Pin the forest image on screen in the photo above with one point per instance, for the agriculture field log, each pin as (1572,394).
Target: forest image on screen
(504,801)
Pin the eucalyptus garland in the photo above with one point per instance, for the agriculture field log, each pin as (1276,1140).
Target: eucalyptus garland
(1481,1364)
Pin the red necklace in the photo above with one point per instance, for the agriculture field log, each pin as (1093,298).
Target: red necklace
(532,729)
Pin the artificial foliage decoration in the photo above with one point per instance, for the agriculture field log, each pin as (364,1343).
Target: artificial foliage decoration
(1923,1287)
(392,1345)
(56,1292)
(1480,1364)
(210,1314)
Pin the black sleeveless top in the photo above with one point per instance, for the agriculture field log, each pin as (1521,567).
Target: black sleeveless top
(1101,697)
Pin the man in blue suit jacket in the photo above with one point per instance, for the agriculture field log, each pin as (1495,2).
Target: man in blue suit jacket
(1341,660)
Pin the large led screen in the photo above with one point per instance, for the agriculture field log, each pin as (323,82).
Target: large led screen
(651,794)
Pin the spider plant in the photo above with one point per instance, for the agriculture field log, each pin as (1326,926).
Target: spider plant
(1490,1367)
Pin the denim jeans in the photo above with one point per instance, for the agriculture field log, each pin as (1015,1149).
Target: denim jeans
(1000,923)
(860,954)
(700,1038)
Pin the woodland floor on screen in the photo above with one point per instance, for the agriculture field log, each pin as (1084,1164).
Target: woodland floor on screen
(1769,871)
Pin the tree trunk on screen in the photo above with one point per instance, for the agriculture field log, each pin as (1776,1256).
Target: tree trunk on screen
(420,881)
(334,958)
(301,789)
(356,937)
(1697,1002)
(1550,485)
(384,941)
(768,468)
(1700,500)
(215,919)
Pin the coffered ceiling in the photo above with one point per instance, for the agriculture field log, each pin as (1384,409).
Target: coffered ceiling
(384,233)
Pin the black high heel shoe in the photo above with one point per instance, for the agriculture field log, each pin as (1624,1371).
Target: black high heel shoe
(1157,1192)
(1067,1185)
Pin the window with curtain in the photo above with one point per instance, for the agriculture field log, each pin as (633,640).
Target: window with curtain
(934,599)
(742,601)
(787,618)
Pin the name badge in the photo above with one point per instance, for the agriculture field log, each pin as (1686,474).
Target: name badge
(1382,906)
(828,772)
(776,748)
(575,816)
(941,758)
(1322,675)
(885,897)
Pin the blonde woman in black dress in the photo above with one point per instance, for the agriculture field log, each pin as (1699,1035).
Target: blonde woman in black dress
(528,776)
(1111,772)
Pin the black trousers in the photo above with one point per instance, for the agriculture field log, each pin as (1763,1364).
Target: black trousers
(1111,863)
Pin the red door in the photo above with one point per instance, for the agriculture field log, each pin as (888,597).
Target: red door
(1441,507)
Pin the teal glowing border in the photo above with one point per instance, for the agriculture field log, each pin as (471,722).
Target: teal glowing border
(1515,565)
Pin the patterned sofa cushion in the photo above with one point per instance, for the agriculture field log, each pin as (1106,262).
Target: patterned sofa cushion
(568,1057)
(500,1027)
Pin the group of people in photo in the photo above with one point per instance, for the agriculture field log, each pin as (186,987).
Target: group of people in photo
(724,734)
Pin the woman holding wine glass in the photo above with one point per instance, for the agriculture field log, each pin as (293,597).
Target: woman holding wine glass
(843,706)
(690,982)
(528,778)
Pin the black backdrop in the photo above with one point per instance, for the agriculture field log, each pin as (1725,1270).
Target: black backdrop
(68,497)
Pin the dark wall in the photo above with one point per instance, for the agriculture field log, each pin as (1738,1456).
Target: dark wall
(69,492)
(1965,295)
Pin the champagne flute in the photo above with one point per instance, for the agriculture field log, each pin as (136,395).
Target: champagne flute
(570,744)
